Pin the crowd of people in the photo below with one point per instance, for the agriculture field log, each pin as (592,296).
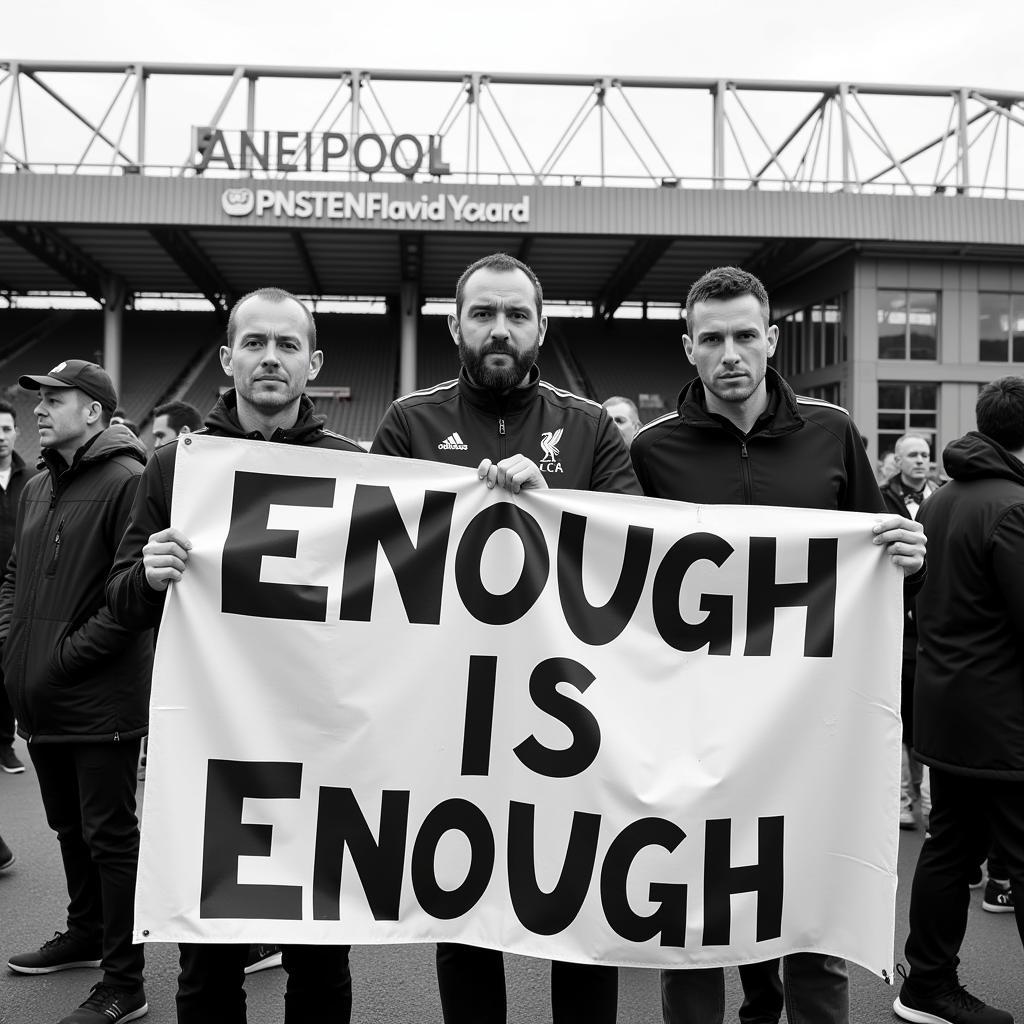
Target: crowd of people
(91,551)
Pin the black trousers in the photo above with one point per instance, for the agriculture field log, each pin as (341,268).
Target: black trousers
(319,986)
(6,716)
(968,815)
(88,792)
(472,985)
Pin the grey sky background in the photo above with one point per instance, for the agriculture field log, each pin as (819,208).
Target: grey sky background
(941,42)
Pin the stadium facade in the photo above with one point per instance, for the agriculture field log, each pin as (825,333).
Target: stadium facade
(887,222)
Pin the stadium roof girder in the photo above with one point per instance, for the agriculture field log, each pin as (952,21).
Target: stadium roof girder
(62,256)
(198,267)
(635,265)
(498,148)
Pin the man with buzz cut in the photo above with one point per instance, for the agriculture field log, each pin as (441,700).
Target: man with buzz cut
(740,436)
(270,356)
(625,416)
(519,432)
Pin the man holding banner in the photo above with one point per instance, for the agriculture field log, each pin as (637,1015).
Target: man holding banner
(270,355)
(497,410)
(741,437)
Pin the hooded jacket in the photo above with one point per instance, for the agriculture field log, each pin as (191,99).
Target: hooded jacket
(573,440)
(9,500)
(133,603)
(969,690)
(72,672)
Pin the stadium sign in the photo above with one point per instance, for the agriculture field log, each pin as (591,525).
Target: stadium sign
(317,152)
(313,204)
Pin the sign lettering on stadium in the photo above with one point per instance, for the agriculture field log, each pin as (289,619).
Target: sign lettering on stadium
(319,152)
(308,204)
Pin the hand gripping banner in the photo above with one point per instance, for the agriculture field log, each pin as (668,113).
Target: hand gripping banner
(391,705)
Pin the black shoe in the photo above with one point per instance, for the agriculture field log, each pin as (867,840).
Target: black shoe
(952,1005)
(60,953)
(262,957)
(107,1005)
(998,899)
(9,761)
(6,857)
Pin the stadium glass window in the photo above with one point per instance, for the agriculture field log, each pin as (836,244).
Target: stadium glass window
(903,407)
(789,353)
(1000,327)
(908,324)
(826,321)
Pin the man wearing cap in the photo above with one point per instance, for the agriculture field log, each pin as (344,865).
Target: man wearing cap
(79,682)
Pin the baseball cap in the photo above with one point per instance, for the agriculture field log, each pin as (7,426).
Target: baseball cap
(76,373)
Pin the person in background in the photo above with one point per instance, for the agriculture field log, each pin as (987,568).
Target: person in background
(172,419)
(968,706)
(625,416)
(13,477)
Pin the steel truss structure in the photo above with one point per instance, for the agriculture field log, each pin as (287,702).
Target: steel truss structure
(109,118)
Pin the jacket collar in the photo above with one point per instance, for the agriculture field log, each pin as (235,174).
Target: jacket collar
(223,420)
(113,440)
(782,415)
(496,402)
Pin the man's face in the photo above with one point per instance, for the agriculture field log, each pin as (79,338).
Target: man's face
(162,432)
(498,331)
(8,435)
(622,416)
(270,361)
(64,417)
(730,346)
(913,458)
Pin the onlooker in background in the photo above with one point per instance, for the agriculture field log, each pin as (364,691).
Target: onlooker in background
(79,682)
(13,477)
(903,495)
(886,468)
(625,416)
(173,419)
(119,416)
(968,706)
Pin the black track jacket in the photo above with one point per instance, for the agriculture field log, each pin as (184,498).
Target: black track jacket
(572,440)
(801,453)
(131,599)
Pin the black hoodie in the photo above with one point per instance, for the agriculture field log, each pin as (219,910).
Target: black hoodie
(131,600)
(969,691)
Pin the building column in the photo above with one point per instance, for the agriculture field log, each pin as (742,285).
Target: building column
(113,320)
(409,316)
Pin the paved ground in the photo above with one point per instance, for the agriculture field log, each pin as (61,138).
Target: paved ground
(395,984)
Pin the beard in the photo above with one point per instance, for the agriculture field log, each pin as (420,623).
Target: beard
(498,378)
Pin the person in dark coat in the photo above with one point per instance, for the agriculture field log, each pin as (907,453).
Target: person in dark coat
(13,477)
(78,681)
(969,699)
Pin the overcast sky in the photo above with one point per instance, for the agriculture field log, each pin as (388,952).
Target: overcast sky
(940,42)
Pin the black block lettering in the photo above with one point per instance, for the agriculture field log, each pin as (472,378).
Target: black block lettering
(476,738)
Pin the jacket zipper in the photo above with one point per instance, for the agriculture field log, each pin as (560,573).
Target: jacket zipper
(52,570)
(501,438)
(748,486)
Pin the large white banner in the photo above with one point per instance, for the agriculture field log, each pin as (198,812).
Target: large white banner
(391,705)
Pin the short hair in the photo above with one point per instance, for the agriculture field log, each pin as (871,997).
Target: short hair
(179,414)
(726,283)
(622,400)
(1000,412)
(271,295)
(911,435)
(8,407)
(504,264)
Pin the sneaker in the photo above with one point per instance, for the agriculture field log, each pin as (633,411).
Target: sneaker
(954,1005)
(907,820)
(6,857)
(107,1005)
(60,953)
(262,957)
(9,761)
(998,899)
